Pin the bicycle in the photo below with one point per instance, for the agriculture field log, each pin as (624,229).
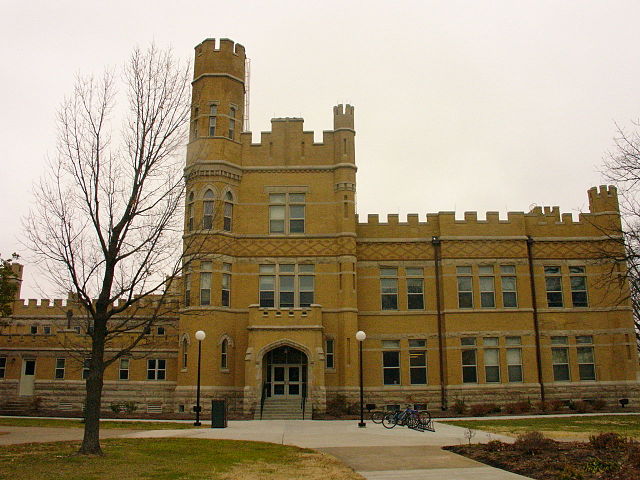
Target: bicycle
(406,418)
(376,417)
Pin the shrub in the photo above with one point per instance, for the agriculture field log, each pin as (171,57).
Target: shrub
(599,404)
(482,409)
(582,407)
(556,405)
(607,441)
(130,407)
(115,407)
(532,442)
(518,407)
(495,446)
(459,406)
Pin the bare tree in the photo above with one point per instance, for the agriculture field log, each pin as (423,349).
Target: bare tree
(107,224)
(622,167)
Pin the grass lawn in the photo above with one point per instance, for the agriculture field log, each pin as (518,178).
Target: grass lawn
(170,459)
(560,427)
(107,424)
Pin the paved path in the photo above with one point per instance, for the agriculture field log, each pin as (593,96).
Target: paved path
(374,452)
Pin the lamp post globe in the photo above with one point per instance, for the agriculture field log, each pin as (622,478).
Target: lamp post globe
(361,336)
(200,335)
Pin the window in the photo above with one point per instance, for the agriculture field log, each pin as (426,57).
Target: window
(207,210)
(329,354)
(3,366)
(553,282)
(586,362)
(59,372)
(123,373)
(465,287)
(46,330)
(226,285)
(156,369)
(469,361)
(232,121)
(187,290)
(491,360)
(227,212)
(391,362)
(185,353)
(560,359)
(34,329)
(224,353)
(161,331)
(194,126)
(286,212)
(389,288)
(287,285)
(508,283)
(487,287)
(578,286)
(86,363)
(415,288)
(213,111)
(418,362)
(190,213)
(205,283)
(514,359)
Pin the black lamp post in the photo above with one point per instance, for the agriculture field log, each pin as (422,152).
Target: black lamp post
(360,336)
(199,336)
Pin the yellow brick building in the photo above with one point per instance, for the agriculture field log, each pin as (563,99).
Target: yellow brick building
(285,273)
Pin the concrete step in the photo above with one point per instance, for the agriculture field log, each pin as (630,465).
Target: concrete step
(281,409)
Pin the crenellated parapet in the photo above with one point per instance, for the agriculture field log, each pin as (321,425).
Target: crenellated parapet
(222,58)
(540,221)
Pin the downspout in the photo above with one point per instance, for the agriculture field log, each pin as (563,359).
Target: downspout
(536,323)
(435,241)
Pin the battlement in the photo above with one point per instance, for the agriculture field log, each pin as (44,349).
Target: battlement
(46,306)
(603,199)
(343,117)
(227,58)
(289,144)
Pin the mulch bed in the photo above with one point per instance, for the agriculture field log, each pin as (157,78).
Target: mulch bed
(603,458)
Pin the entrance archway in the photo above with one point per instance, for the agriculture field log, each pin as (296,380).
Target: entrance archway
(285,372)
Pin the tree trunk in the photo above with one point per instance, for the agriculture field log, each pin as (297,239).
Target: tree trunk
(93,400)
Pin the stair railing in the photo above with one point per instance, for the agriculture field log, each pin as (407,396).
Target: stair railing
(303,401)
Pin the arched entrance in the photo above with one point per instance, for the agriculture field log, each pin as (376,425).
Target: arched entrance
(285,373)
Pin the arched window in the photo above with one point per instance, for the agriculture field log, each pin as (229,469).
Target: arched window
(190,212)
(185,358)
(228,212)
(207,210)
(224,353)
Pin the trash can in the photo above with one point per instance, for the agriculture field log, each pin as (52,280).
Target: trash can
(218,414)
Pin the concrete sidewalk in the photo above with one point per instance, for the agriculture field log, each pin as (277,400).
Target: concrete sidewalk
(374,452)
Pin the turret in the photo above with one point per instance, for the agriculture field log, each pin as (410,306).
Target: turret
(603,200)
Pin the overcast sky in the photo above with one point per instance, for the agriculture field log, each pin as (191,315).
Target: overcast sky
(460,105)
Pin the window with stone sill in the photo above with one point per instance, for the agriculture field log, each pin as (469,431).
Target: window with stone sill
(417,361)
(3,366)
(156,369)
(123,371)
(59,371)
(286,285)
(553,284)
(578,280)
(465,287)
(415,288)
(224,354)
(509,286)
(487,286)
(329,355)
(391,362)
(205,283)
(227,212)
(213,112)
(207,210)
(286,213)
(389,288)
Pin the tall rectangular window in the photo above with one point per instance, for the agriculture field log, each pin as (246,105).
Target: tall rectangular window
(508,283)
(418,361)
(514,359)
(226,285)
(287,285)
(86,363)
(59,373)
(560,359)
(205,283)
(213,112)
(227,212)
(491,360)
(391,362)
(156,369)
(487,286)
(415,288)
(286,212)
(469,360)
(187,290)
(123,372)
(3,366)
(207,210)
(232,122)
(389,288)
(578,286)
(465,287)
(586,362)
(553,283)
(194,126)
(329,354)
